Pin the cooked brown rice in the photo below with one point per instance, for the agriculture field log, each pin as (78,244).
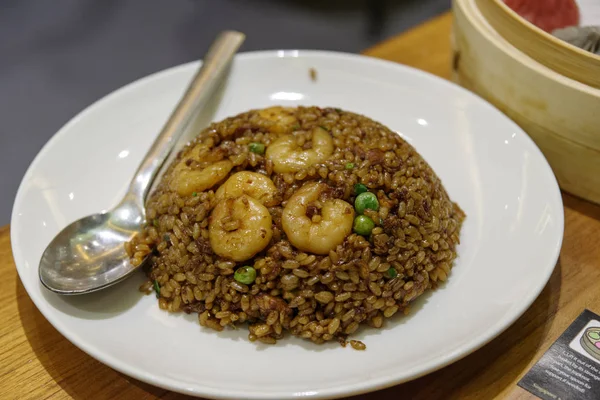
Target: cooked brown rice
(365,279)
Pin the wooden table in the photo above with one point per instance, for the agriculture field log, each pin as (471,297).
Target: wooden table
(36,362)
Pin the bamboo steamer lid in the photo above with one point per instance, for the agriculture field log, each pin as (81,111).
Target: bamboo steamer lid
(556,54)
(559,113)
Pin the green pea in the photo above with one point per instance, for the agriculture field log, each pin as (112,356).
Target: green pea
(257,148)
(363,225)
(194,194)
(360,188)
(391,273)
(366,200)
(245,275)
(349,165)
(156,288)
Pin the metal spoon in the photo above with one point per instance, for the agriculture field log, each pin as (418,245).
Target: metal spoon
(89,254)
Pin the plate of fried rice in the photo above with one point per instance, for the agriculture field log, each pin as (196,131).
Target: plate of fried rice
(330,224)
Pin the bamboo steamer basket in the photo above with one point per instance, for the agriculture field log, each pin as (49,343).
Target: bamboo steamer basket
(560,114)
(556,54)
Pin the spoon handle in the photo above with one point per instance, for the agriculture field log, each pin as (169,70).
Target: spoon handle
(200,89)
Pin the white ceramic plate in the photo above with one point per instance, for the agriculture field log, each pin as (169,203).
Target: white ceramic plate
(510,240)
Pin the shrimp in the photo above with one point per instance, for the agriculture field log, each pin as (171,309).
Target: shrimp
(253,184)
(186,181)
(287,156)
(239,228)
(282,118)
(316,234)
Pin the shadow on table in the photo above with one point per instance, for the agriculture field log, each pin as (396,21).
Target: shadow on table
(79,375)
(472,377)
(581,206)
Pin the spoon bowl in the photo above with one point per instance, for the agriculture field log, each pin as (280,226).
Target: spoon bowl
(89,254)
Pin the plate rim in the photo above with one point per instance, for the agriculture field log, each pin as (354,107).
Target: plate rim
(368,385)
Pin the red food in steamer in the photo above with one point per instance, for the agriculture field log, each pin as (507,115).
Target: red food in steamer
(547,14)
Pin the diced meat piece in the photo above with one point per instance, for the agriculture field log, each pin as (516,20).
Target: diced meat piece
(311,211)
(267,303)
(375,156)
(204,246)
(195,307)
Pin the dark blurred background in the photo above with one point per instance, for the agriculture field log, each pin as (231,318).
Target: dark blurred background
(58,56)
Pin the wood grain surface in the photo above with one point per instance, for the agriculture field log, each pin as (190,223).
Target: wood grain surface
(36,362)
